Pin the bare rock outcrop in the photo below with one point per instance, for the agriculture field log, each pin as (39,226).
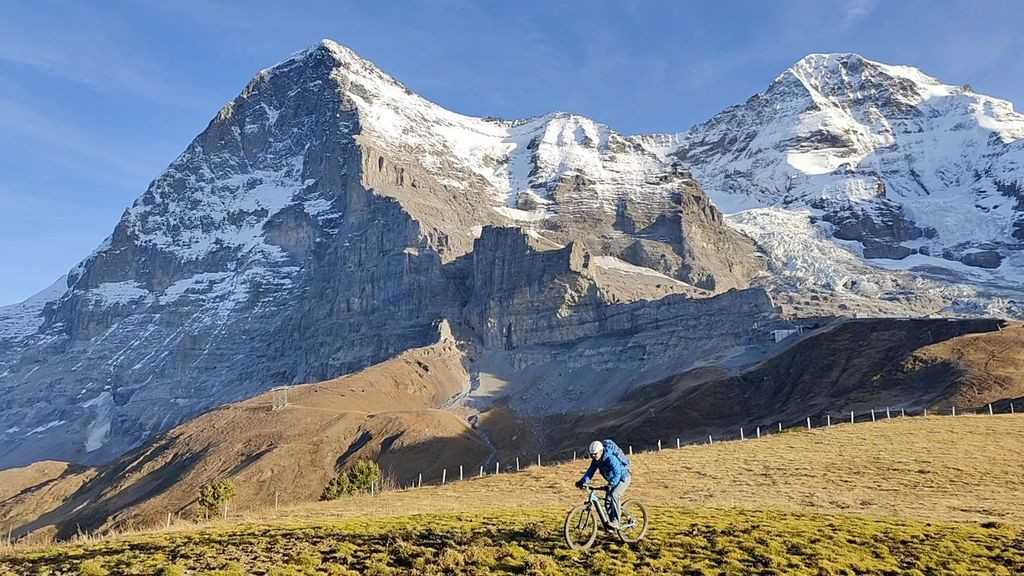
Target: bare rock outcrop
(328,219)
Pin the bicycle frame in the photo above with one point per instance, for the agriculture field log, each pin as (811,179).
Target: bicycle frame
(594,501)
(580,533)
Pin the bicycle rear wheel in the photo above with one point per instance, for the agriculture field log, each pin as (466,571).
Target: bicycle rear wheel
(633,521)
(580,527)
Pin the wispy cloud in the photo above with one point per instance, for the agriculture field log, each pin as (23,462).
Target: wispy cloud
(88,45)
(854,11)
(68,144)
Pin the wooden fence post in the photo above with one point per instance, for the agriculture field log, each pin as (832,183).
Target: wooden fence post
(538,459)
(419,481)
(573,455)
(926,412)
(808,422)
(989,409)
(780,426)
(659,444)
(903,412)
(481,471)
(710,439)
(444,476)
(872,414)
(460,472)
(496,469)
(630,450)
(677,443)
(741,433)
(954,410)
(758,431)
(517,463)
(851,417)
(887,415)
(828,420)
(1011,407)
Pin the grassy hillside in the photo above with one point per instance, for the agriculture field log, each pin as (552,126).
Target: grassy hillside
(708,542)
(287,454)
(936,495)
(14,480)
(401,413)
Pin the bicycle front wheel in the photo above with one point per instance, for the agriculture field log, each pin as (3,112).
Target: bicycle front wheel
(633,521)
(580,527)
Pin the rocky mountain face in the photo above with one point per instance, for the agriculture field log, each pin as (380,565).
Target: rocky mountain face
(328,219)
(886,160)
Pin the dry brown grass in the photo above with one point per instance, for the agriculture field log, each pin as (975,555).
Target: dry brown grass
(964,468)
(939,469)
(287,455)
(14,480)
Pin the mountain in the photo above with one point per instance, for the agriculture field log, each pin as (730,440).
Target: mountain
(391,411)
(889,162)
(328,219)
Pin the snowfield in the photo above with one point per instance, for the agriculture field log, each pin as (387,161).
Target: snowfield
(890,156)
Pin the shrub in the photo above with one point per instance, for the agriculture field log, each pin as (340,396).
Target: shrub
(541,565)
(171,570)
(536,529)
(451,560)
(308,560)
(214,496)
(339,570)
(229,569)
(92,568)
(357,479)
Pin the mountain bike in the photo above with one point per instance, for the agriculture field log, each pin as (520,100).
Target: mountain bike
(581,522)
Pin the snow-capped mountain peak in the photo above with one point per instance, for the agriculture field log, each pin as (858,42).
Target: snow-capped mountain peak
(844,77)
(329,217)
(887,155)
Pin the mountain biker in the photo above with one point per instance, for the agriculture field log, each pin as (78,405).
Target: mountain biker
(608,458)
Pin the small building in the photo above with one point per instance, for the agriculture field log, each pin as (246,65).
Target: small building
(780,335)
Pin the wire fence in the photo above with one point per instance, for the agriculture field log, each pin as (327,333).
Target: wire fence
(742,433)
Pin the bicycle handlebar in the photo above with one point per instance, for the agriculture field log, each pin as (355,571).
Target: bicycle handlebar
(589,487)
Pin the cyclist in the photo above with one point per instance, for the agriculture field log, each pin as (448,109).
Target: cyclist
(607,457)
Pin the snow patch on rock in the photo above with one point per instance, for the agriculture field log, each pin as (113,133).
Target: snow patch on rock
(98,431)
(18,321)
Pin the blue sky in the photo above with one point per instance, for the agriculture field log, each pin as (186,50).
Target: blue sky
(96,98)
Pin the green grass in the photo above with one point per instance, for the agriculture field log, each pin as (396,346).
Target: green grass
(689,542)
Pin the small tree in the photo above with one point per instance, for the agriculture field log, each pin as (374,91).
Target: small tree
(214,496)
(357,479)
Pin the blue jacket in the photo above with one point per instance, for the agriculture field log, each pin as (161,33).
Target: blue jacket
(611,468)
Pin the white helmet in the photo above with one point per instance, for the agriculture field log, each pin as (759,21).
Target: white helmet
(596,447)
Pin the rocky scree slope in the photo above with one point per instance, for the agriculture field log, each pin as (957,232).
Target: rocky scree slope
(328,219)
